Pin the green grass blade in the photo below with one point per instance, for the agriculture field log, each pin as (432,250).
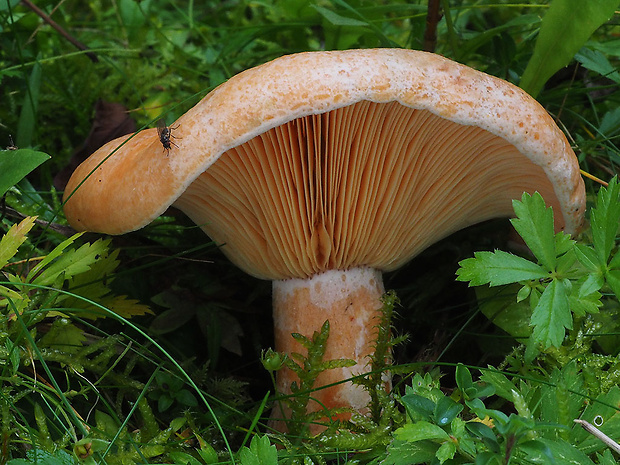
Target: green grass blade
(28,115)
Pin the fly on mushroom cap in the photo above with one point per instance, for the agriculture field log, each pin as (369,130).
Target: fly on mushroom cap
(165,134)
(321,170)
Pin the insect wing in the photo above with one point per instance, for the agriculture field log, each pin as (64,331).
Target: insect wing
(164,132)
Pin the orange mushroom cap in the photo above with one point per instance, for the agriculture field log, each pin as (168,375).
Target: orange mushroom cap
(332,160)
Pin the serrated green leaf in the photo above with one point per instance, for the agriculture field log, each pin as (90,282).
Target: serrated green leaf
(51,256)
(604,220)
(531,350)
(551,316)
(597,62)
(498,268)
(565,28)
(14,238)
(588,257)
(260,452)
(100,273)
(565,263)
(16,164)
(556,406)
(93,285)
(534,223)
(420,431)
(568,285)
(457,428)
(446,451)
(563,243)
(586,304)
(266,451)
(70,263)
(118,304)
(593,283)
(606,458)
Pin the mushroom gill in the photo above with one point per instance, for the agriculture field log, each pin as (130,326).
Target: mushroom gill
(369,184)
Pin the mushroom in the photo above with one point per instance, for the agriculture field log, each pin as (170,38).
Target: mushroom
(320,171)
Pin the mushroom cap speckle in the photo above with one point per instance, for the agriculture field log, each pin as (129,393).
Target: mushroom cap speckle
(325,160)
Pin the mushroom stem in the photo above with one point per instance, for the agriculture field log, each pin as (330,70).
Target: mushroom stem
(351,301)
